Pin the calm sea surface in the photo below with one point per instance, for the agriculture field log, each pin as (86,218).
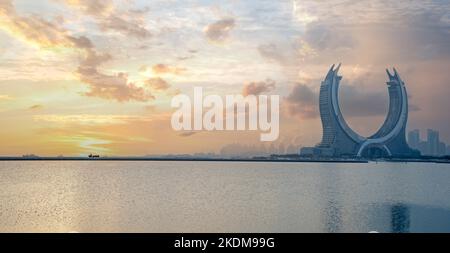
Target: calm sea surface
(103,196)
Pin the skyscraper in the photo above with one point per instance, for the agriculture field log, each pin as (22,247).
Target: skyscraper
(433,142)
(441,149)
(432,146)
(414,138)
(338,139)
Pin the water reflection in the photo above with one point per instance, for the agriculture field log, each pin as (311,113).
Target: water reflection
(400,218)
(409,218)
(331,200)
(386,218)
(333,220)
(428,219)
(223,197)
(410,210)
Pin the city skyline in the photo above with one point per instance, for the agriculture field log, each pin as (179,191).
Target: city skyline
(431,146)
(81,77)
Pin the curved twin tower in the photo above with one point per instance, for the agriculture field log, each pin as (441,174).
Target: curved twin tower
(340,140)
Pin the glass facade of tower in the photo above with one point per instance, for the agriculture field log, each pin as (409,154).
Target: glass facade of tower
(328,133)
(338,139)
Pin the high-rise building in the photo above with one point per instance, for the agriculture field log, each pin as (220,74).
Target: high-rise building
(339,139)
(414,138)
(433,142)
(441,149)
(431,147)
(423,148)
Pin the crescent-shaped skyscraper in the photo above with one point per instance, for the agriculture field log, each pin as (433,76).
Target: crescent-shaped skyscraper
(340,140)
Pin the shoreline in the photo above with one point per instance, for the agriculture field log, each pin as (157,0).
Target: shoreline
(218,160)
(173,159)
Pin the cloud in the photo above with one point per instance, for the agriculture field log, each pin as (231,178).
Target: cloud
(157,83)
(357,103)
(367,32)
(372,35)
(36,107)
(190,54)
(116,87)
(91,119)
(37,31)
(92,58)
(302,12)
(108,18)
(363,12)
(303,102)
(45,34)
(256,88)
(128,27)
(184,58)
(92,7)
(219,31)
(272,53)
(161,69)
(322,36)
(187,134)
(305,50)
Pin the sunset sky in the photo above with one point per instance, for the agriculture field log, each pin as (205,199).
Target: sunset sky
(92,76)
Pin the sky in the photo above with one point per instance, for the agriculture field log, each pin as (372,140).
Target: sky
(91,76)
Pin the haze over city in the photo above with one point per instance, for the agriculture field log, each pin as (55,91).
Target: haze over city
(80,77)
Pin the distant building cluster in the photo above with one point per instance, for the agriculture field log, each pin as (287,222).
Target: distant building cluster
(239,151)
(432,146)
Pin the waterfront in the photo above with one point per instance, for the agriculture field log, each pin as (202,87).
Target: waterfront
(184,196)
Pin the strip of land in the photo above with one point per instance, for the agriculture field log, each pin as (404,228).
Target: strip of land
(301,160)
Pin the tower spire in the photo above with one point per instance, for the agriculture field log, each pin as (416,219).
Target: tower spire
(389,74)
